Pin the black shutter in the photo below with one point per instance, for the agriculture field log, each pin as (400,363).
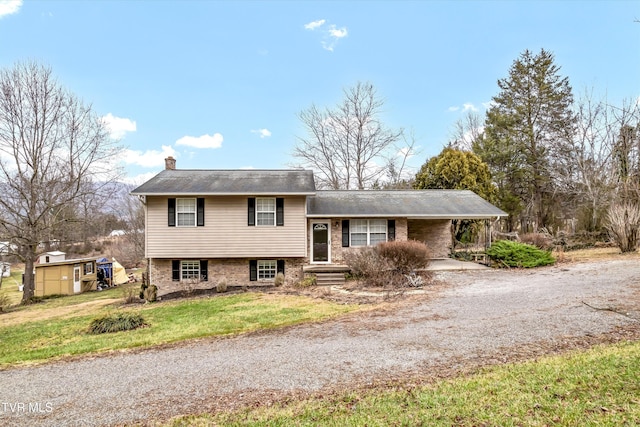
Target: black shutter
(279,211)
(253,270)
(172,212)
(200,212)
(252,211)
(175,270)
(345,233)
(280,266)
(204,270)
(391,230)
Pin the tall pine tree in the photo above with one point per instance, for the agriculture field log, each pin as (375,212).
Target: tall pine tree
(528,120)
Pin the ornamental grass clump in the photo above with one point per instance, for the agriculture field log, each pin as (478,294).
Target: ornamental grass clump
(506,253)
(116,323)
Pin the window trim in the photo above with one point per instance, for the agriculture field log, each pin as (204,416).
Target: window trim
(196,263)
(88,268)
(262,266)
(194,213)
(258,211)
(368,232)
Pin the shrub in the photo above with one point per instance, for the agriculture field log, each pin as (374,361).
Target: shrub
(116,323)
(221,287)
(624,225)
(404,257)
(279,280)
(130,294)
(515,254)
(363,262)
(307,282)
(149,293)
(388,264)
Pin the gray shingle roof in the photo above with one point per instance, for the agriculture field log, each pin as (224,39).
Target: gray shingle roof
(218,182)
(435,204)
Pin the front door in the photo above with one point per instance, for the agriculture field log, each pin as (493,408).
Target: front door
(320,242)
(76,280)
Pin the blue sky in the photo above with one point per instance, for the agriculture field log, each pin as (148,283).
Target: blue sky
(219,84)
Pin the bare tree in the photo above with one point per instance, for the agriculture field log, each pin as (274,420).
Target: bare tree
(344,145)
(53,151)
(398,174)
(466,131)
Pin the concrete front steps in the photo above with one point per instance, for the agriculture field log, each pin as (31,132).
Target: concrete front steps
(327,275)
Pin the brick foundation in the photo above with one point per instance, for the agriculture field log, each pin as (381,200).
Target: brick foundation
(234,270)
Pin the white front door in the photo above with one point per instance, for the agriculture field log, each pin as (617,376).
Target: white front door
(77,284)
(321,242)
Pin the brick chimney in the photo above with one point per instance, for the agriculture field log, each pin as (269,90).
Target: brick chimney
(170,163)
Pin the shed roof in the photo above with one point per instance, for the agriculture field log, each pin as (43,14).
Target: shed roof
(417,204)
(231,182)
(65,262)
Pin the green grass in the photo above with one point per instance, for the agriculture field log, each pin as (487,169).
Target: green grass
(598,387)
(10,287)
(57,336)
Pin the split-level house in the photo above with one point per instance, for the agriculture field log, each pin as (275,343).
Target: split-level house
(248,225)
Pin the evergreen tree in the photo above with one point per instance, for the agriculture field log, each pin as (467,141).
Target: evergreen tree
(529,119)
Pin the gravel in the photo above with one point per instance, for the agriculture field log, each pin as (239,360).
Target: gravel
(478,317)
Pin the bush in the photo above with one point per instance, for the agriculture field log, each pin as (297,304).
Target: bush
(363,262)
(149,293)
(404,257)
(389,263)
(116,323)
(307,282)
(624,225)
(130,294)
(221,287)
(514,254)
(279,280)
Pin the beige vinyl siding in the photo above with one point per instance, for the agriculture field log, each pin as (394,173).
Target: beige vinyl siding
(226,233)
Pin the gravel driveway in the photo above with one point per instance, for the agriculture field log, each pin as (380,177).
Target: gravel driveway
(479,317)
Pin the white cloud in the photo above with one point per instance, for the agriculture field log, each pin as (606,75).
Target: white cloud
(118,126)
(8,7)
(452,109)
(204,141)
(490,104)
(264,133)
(338,33)
(314,24)
(467,106)
(149,158)
(247,167)
(330,35)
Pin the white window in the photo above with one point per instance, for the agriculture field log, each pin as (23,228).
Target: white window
(267,269)
(377,231)
(186,212)
(359,232)
(266,211)
(367,232)
(88,268)
(189,270)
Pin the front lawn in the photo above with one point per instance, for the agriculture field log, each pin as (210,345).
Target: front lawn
(58,327)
